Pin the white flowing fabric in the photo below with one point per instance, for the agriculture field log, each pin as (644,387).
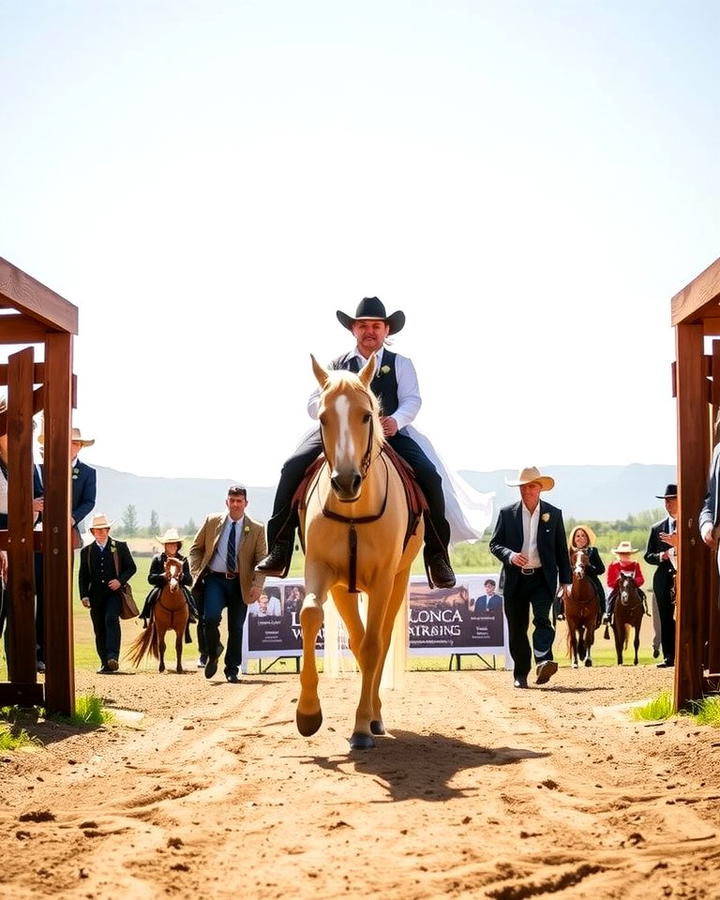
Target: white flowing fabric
(468,511)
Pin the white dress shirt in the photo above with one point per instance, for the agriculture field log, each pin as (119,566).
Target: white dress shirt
(218,561)
(530,530)
(409,399)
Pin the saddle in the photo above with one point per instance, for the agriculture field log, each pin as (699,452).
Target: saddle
(416,502)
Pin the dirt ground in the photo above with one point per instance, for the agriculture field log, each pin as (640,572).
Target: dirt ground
(480,790)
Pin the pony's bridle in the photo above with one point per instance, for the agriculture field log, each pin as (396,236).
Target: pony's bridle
(366,458)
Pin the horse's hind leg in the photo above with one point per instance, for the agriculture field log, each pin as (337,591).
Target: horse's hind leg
(308,714)
(397,597)
(636,643)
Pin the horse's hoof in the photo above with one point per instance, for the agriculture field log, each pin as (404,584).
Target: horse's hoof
(574,665)
(161,668)
(588,662)
(308,724)
(360,741)
(377,727)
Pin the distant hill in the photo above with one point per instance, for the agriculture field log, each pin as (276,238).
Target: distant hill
(584,492)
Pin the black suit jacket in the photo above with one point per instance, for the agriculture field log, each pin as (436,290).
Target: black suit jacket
(93,577)
(507,539)
(662,579)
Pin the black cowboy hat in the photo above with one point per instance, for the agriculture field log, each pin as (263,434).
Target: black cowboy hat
(670,491)
(372,308)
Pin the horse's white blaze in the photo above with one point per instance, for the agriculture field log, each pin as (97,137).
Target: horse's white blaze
(345,446)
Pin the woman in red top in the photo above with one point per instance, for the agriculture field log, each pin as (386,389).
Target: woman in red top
(627,566)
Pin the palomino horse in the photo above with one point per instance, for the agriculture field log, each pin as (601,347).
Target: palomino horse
(354,518)
(169,613)
(581,610)
(628,613)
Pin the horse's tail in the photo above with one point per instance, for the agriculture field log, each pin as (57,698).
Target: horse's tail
(146,641)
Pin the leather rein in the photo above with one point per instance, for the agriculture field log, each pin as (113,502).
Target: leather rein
(352,521)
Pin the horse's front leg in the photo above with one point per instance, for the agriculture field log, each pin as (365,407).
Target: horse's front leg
(590,638)
(397,597)
(370,658)
(636,644)
(308,714)
(572,634)
(161,651)
(618,632)
(179,635)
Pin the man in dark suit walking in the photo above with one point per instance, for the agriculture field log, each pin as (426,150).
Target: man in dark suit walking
(530,541)
(660,552)
(106,565)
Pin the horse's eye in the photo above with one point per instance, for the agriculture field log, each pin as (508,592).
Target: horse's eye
(366,418)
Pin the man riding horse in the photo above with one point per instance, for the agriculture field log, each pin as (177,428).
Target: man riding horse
(396,387)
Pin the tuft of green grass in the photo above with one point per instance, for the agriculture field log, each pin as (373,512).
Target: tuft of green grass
(661,707)
(89,710)
(707,711)
(13,738)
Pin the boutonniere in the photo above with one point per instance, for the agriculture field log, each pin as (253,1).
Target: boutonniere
(246,529)
(384,370)
(545,517)
(113,548)
(75,473)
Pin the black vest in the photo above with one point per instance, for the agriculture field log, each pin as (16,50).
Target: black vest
(384,385)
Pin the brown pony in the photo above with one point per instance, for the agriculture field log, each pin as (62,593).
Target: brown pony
(354,519)
(581,611)
(169,613)
(629,610)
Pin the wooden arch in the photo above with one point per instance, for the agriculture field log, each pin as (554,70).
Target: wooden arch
(696,318)
(32,315)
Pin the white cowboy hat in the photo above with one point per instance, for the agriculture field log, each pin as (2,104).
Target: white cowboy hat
(171,536)
(624,547)
(529,475)
(99,521)
(76,438)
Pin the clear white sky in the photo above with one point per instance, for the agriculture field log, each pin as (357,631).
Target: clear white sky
(209,181)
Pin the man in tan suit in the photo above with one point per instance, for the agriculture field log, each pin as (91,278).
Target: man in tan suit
(222,558)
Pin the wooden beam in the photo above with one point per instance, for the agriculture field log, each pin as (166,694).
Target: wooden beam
(30,296)
(16,693)
(20,329)
(21,563)
(37,541)
(38,373)
(711,326)
(693,457)
(704,289)
(713,607)
(57,551)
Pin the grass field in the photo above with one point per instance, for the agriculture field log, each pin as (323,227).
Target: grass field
(466,562)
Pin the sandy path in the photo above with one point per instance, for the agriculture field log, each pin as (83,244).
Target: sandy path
(481,791)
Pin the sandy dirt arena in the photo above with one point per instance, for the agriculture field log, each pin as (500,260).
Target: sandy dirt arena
(479,790)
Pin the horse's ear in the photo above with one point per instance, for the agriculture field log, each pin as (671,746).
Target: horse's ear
(320,373)
(368,371)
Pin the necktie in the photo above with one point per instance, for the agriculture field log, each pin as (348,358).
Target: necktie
(230,558)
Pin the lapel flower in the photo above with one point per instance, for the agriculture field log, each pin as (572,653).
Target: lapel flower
(545,517)
(246,529)
(75,473)
(384,370)
(113,548)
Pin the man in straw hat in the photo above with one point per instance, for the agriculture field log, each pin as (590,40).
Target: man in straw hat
(396,386)
(530,541)
(105,566)
(84,491)
(661,552)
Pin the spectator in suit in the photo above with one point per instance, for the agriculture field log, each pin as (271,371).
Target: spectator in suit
(223,557)
(529,539)
(661,552)
(105,566)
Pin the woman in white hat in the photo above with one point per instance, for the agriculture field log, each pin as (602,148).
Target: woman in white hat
(623,565)
(172,542)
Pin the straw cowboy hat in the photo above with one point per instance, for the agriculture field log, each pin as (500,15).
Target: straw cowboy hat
(76,438)
(670,493)
(530,475)
(624,547)
(590,534)
(372,308)
(171,536)
(99,521)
